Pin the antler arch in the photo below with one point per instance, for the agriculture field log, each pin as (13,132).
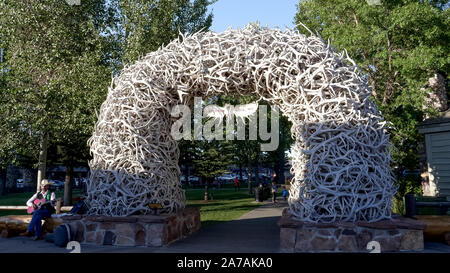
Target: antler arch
(341,155)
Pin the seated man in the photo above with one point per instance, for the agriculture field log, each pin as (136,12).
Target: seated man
(41,211)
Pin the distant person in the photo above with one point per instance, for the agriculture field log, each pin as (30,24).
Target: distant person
(274,192)
(236,185)
(274,178)
(284,193)
(42,203)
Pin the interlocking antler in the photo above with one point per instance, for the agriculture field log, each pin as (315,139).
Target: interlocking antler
(341,155)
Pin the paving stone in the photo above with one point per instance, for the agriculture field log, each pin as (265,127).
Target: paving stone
(347,243)
(412,240)
(389,244)
(288,222)
(155,234)
(323,244)
(348,232)
(302,243)
(107,226)
(287,239)
(362,238)
(109,238)
(124,241)
(91,226)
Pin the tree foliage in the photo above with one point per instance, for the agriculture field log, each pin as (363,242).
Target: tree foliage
(59,61)
(55,74)
(145,25)
(212,158)
(399,44)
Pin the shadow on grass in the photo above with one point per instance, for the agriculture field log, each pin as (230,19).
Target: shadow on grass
(221,194)
(228,204)
(12,212)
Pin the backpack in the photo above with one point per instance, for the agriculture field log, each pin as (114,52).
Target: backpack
(79,208)
(60,236)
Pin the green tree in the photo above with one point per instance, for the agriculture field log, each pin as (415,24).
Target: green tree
(247,153)
(278,159)
(187,153)
(145,25)
(59,60)
(399,45)
(212,159)
(56,75)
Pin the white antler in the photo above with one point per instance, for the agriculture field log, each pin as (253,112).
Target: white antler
(341,156)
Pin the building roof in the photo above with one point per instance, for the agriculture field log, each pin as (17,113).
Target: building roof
(444,117)
(436,125)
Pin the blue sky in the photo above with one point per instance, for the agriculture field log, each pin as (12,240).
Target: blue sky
(238,13)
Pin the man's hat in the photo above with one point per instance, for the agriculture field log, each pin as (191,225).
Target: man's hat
(45,182)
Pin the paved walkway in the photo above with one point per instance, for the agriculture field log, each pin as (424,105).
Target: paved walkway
(254,232)
(239,236)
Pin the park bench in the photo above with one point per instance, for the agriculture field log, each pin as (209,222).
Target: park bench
(155,207)
(13,225)
(431,205)
(434,212)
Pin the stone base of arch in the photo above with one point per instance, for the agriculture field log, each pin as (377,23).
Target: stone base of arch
(399,234)
(137,230)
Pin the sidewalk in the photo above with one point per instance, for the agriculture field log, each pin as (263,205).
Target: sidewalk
(254,232)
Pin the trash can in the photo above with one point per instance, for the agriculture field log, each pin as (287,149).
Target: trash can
(259,194)
(267,193)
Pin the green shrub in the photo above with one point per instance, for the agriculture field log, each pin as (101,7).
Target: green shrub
(407,184)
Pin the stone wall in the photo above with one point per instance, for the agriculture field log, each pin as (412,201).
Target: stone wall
(139,230)
(13,225)
(397,234)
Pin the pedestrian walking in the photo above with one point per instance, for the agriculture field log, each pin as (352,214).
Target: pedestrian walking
(274,192)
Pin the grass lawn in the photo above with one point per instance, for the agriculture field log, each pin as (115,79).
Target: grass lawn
(227,204)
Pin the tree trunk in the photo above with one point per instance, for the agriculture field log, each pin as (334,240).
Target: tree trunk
(2,181)
(42,160)
(256,174)
(250,188)
(68,185)
(206,189)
